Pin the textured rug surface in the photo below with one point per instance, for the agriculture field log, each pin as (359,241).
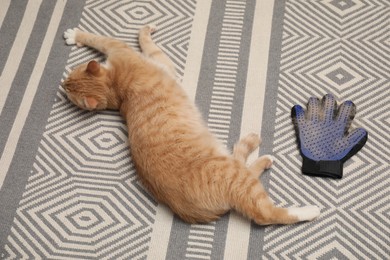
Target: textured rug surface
(68,188)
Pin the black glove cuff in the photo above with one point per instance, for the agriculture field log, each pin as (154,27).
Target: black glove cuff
(329,169)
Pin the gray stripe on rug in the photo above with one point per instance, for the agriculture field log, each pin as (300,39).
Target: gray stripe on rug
(10,28)
(256,242)
(19,171)
(221,226)
(180,231)
(24,70)
(209,240)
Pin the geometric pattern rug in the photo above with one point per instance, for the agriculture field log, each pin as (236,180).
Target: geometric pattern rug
(68,188)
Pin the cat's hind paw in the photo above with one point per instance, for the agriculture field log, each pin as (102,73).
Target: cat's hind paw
(269,160)
(152,27)
(307,213)
(70,36)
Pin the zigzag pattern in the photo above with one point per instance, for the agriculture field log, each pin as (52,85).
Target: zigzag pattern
(83,199)
(123,21)
(335,46)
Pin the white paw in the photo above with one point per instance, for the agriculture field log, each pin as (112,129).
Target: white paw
(70,36)
(308,213)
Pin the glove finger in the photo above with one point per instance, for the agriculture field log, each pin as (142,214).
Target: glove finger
(346,113)
(329,107)
(357,136)
(313,109)
(298,115)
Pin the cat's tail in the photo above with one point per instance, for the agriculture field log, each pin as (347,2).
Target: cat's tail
(248,197)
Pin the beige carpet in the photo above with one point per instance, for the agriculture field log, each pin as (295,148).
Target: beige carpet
(68,189)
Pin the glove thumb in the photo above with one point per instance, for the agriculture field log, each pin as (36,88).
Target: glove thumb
(298,115)
(356,139)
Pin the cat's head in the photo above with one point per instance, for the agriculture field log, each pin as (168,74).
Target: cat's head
(89,88)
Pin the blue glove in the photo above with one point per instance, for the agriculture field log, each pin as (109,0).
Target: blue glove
(323,137)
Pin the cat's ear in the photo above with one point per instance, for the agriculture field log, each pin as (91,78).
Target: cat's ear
(90,103)
(93,67)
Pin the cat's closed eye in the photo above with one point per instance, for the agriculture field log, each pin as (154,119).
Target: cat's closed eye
(67,86)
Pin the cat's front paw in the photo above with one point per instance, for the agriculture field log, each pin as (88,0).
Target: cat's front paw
(253,140)
(70,36)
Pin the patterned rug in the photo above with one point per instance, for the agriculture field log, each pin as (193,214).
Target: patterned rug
(68,188)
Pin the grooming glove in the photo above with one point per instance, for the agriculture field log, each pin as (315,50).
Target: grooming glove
(323,137)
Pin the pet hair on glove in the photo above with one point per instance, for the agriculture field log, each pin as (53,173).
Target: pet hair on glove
(323,137)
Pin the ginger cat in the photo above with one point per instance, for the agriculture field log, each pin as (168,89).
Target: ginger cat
(176,157)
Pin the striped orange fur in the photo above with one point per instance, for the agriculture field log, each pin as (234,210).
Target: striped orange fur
(177,158)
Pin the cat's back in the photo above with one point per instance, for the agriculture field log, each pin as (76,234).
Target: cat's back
(165,127)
